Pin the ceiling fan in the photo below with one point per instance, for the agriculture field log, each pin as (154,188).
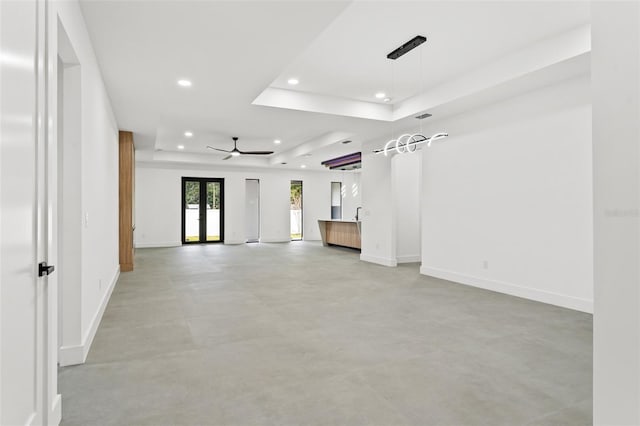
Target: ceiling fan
(235,152)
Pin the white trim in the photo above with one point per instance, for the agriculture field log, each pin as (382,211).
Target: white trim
(73,355)
(575,303)
(95,322)
(32,419)
(55,416)
(409,259)
(233,242)
(155,245)
(275,240)
(384,261)
(70,355)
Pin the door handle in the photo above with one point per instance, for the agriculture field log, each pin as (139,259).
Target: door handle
(44,269)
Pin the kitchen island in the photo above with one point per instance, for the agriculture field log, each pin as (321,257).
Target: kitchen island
(345,233)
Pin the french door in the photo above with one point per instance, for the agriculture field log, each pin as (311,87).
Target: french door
(202,210)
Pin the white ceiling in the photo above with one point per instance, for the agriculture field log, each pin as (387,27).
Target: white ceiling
(235,51)
(349,59)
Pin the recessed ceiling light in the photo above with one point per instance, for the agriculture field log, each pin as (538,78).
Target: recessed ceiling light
(283,163)
(293,81)
(180,146)
(303,166)
(346,142)
(387,99)
(188,134)
(184,83)
(380,95)
(307,155)
(277,141)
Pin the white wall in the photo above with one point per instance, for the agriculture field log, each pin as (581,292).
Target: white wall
(406,178)
(158,206)
(615,65)
(98,186)
(378,211)
(506,199)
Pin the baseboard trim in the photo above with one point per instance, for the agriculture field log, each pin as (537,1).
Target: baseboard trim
(71,355)
(378,260)
(55,416)
(158,245)
(274,240)
(77,354)
(95,321)
(570,302)
(409,259)
(233,242)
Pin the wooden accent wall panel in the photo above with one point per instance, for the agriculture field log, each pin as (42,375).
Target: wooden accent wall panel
(126,177)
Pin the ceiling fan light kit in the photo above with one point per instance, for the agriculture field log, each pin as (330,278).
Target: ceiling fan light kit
(235,152)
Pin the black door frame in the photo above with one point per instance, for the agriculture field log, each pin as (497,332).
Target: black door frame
(203,209)
(301,209)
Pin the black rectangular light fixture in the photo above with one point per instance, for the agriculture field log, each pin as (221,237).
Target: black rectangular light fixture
(407,47)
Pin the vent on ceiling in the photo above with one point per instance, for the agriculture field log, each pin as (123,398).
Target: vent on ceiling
(423,116)
(407,47)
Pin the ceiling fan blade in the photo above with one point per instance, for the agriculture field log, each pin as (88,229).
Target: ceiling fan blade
(227,157)
(217,149)
(255,152)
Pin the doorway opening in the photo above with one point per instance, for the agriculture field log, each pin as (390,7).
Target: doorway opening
(202,210)
(252,210)
(69,206)
(336,200)
(296,210)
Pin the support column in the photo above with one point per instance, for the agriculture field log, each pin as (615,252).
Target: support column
(127,175)
(616,160)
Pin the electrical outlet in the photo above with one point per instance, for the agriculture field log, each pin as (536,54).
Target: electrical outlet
(485,264)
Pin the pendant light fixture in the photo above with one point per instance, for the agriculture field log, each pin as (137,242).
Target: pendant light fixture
(409,142)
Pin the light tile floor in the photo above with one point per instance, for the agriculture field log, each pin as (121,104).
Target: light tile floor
(300,334)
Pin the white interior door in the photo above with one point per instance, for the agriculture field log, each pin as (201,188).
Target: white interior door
(23,214)
(252,210)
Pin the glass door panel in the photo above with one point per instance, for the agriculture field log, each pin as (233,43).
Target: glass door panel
(213,211)
(296,210)
(203,210)
(191,212)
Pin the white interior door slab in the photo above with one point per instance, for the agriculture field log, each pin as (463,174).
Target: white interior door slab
(23,215)
(252,210)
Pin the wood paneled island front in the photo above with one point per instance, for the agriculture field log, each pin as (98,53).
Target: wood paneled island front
(345,233)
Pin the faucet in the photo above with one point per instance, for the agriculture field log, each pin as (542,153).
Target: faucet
(358,213)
